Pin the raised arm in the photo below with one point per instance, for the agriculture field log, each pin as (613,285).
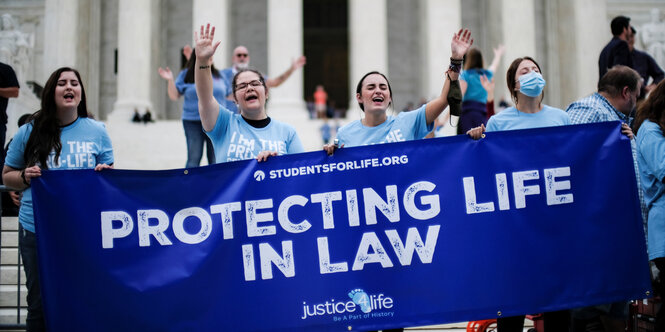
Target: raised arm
(11,92)
(498,52)
(205,48)
(460,44)
(277,81)
(170,88)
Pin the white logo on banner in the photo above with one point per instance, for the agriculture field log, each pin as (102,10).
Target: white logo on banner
(259,175)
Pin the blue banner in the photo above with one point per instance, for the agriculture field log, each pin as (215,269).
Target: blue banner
(384,236)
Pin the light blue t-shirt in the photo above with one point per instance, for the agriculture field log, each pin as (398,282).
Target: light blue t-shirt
(190,108)
(85,143)
(227,76)
(234,139)
(406,126)
(511,119)
(651,160)
(474,89)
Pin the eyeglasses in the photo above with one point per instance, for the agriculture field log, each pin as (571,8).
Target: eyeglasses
(242,55)
(254,83)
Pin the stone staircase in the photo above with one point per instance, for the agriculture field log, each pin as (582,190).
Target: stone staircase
(10,275)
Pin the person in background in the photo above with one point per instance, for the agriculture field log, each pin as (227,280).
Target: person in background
(320,102)
(488,85)
(616,52)
(650,141)
(9,88)
(11,200)
(241,61)
(183,85)
(41,144)
(137,116)
(645,65)
(474,102)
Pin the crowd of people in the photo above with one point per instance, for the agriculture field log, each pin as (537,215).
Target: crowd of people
(225,111)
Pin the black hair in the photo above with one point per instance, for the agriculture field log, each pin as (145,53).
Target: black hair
(618,24)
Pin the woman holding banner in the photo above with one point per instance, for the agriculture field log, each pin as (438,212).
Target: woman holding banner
(526,84)
(374,96)
(250,134)
(649,129)
(59,136)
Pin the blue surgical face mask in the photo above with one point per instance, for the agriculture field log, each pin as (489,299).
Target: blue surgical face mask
(532,84)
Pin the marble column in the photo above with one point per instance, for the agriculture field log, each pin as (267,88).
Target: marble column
(135,67)
(215,12)
(60,25)
(368,48)
(519,37)
(441,19)
(285,44)
(583,31)
(519,29)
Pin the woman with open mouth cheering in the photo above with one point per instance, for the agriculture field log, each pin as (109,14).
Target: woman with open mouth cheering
(374,96)
(58,136)
(250,134)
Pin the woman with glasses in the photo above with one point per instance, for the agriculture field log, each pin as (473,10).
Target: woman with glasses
(249,134)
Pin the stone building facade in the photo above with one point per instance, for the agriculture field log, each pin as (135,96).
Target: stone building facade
(119,44)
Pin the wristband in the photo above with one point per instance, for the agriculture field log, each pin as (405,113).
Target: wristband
(24,179)
(455,67)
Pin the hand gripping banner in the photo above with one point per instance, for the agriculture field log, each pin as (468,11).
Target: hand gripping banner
(384,236)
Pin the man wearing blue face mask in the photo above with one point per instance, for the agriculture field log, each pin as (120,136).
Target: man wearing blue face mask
(616,52)
(617,95)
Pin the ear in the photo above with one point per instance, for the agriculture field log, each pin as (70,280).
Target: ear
(625,92)
(358,99)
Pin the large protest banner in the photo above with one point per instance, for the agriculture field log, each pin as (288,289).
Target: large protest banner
(391,235)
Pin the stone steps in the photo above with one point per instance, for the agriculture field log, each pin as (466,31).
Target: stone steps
(9,275)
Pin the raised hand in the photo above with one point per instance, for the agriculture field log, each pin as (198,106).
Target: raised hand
(498,51)
(461,42)
(205,47)
(165,73)
(488,84)
(299,62)
(187,51)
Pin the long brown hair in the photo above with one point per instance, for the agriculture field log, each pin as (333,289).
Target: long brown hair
(653,109)
(45,135)
(473,59)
